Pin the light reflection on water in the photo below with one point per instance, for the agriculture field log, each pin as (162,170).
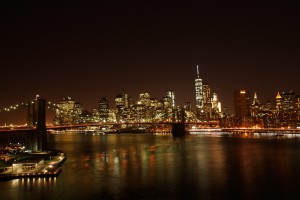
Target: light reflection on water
(133,166)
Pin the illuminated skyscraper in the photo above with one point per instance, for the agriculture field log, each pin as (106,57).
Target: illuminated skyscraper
(171,96)
(206,93)
(242,103)
(288,105)
(219,106)
(215,102)
(256,106)
(68,112)
(255,99)
(187,106)
(144,99)
(199,91)
(278,103)
(207,100)
(298,106)
(120,105)
(103,109)
(126,99)
(124,104)
(216,107)
(169,104)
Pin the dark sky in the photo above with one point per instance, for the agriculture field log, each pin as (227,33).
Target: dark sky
(87,50)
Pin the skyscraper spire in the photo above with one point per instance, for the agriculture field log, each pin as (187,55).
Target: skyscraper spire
(255,100)
(197,71)
(278,95)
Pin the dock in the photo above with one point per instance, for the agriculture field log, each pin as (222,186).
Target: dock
(48,171)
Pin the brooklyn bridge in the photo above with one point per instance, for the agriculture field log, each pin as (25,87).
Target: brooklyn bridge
(34,133)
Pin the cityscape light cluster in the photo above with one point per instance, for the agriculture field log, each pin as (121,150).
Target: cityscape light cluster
(145,109)
(283,112)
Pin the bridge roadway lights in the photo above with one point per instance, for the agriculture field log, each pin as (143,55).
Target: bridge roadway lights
(178,129)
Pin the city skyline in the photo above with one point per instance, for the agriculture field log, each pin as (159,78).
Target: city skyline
(90,51)
(200,98)
(211,109)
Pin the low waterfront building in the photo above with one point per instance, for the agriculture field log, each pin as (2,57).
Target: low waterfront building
(27,166)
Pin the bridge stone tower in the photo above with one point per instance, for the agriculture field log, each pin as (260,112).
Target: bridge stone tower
(36,119)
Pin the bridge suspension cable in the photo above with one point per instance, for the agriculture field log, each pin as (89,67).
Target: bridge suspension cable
(14,107)
(51,105)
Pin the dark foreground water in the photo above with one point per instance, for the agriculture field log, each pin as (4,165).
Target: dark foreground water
(132,166)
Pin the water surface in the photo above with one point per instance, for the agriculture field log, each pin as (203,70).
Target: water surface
(134,166)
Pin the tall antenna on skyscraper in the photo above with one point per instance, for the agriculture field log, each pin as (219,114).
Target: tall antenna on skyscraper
(198,71)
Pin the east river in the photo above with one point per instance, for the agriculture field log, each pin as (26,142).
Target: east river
(144,166)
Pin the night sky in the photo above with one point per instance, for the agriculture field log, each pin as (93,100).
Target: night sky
(87,51)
